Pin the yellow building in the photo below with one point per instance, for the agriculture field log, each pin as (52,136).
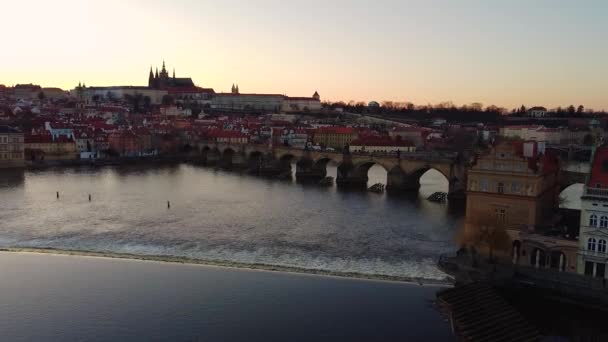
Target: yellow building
(11,147)
(43,147)
(513,183)
(334,137)
(515,186)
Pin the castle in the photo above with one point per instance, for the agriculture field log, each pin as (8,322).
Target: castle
(162,80)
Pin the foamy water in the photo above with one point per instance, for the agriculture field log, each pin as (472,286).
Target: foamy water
(222,216)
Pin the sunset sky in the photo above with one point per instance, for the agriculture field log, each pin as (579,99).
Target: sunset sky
(535,52)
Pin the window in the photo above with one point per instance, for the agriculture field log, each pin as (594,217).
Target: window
(515,188)
(591,244)
(483,185)
(604,222)
(593,221)
(501,188)
(601,246)
(501,215)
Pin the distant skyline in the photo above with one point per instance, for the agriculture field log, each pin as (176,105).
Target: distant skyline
(506,53)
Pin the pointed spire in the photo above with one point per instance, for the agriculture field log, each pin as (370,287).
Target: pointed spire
(164,69)
(156,73)
(173,73)
(151,78)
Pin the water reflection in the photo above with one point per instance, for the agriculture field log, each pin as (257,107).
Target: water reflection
(11,178)
(231,216)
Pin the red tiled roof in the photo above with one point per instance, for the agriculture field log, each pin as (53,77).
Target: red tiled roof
(336,130)
(217,133)
(599,168)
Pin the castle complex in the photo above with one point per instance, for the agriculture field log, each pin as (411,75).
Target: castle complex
(162,80)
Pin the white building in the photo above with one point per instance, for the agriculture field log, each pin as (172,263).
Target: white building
(383,144)
(537,112)
(534,133)
(264,102)
(593,235)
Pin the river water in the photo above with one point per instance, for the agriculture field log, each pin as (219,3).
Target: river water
(227,216)
(66,298)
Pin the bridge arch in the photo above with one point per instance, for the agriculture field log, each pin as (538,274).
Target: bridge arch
(322,162)
(227,157)
(401,180)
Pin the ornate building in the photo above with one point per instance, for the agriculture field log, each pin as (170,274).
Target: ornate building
(275,103)
(11,147)
(515,186)
(162,80)
(593,237)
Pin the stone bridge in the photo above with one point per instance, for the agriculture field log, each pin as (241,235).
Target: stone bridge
(403,173)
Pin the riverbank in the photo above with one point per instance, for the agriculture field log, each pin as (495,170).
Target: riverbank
(173,159)
(230,264)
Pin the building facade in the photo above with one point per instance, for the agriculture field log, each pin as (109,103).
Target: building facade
(381,144)
(11,147)
(334,137)
(515,186)
(593,235)
(537,112)
(44,147)
(273,103)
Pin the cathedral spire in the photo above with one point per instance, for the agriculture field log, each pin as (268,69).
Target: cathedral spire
(151,78)
(164,69)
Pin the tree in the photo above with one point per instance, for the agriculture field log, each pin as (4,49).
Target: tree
(110,96)
(588,140)
(147,103)
(571,110)
(41,96)
(580,109)
(96,99)
(168,100)
(489,232)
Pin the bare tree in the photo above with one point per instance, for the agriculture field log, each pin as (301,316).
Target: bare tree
(487,232)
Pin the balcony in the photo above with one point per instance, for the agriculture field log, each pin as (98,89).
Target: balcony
(595,192)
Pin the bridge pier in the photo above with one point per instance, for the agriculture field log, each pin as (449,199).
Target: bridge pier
(308,170)
(266,165)
(212,157)
(239,161)
(350,176)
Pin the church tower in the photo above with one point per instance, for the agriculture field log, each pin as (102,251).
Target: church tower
(316,96)
(151,79)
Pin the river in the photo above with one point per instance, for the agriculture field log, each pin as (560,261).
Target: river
(67,298)
(227,216)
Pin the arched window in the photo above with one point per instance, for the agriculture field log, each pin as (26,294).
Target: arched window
(601,246)
(593,221)
(604,222)
(591,244)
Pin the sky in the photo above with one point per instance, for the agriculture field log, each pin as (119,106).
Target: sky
(507,53)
